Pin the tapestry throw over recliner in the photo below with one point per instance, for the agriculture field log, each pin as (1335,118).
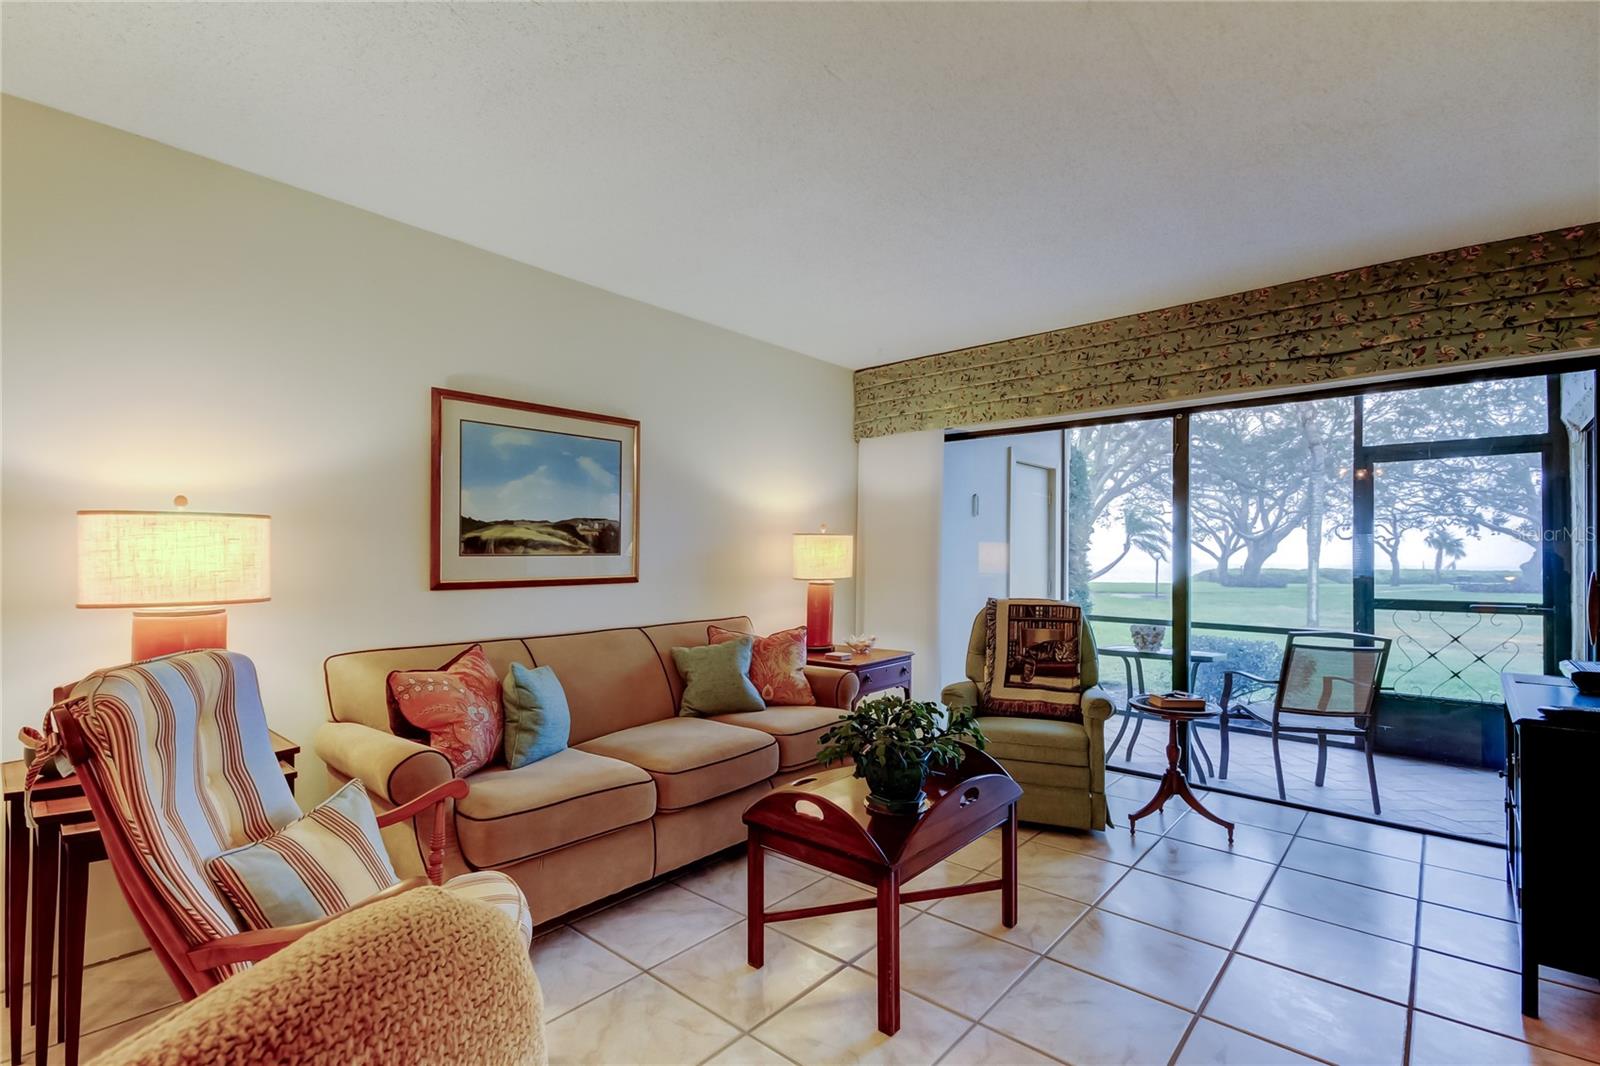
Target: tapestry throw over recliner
(1031,659)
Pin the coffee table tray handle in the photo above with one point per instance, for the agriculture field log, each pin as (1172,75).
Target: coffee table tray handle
(833,826)
(974,797)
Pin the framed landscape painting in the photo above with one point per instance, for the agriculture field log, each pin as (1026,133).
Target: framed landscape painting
(525,494)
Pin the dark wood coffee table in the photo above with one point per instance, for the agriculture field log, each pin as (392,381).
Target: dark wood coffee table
(1173,783)
(823,821)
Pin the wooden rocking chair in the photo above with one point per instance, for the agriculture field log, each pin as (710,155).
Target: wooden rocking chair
(177,765)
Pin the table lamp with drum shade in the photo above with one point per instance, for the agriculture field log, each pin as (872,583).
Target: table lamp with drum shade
(178,570)
(822,558)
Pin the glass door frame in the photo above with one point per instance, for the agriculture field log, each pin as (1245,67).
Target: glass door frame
(1555,552)
(1556,500)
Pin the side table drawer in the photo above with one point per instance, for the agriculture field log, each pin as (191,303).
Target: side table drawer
(888,675)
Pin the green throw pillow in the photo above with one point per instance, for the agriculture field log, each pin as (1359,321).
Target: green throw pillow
(537,719)
(716,678)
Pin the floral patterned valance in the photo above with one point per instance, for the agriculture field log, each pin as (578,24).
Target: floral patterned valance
(1526,296)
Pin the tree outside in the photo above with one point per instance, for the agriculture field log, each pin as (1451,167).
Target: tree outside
(1271,509)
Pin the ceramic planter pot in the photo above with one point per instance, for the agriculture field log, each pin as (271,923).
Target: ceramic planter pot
(895,789)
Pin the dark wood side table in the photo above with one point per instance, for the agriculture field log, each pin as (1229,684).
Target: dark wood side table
(823,821)
(58,851)
(1552,749)
(878,670)
(1173,782)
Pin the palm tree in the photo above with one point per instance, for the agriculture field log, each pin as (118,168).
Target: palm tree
(1143,529)
(1148,533)
(1445,544)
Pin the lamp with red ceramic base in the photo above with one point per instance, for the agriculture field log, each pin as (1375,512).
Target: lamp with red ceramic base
(178,570)
(821,559)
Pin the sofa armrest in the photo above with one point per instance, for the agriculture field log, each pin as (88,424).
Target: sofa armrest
(1097,708)
(960,696)
(833,687)
(1097,705)
(394,769)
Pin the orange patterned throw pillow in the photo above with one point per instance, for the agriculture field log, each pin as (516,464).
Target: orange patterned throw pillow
(777,665)
(458,705)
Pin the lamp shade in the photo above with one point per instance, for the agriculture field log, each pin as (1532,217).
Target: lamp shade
(823,556)
(172,559)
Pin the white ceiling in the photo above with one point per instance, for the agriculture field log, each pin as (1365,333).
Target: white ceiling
(865,182)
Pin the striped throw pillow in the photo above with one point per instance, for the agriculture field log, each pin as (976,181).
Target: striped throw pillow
(321,864)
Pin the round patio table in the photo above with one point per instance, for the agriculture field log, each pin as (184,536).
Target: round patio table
(1133,663)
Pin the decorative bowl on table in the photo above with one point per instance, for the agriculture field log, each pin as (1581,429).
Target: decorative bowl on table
(860,643)
(1148,637)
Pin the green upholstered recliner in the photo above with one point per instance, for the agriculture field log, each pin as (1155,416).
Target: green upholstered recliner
(1061,766)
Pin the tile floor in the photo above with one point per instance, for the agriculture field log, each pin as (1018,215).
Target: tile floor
(1315,938)
(120,997)
(1438,797)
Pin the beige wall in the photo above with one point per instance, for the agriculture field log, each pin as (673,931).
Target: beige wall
(174,325)
(898,562)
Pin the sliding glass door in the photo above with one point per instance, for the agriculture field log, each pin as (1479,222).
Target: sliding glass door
(1461,513)
(1119,565)
(1415,515)
(1270,554)
(1433,524)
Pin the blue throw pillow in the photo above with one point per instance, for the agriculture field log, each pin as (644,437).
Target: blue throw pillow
(537,719)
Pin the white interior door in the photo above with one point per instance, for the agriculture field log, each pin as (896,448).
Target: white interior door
(1033,530)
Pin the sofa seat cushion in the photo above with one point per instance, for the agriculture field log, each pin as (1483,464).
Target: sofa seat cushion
(798,730)
(1040,740)
(570,796)
(692,759)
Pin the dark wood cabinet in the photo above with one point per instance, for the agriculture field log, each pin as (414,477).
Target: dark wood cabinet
(1551,830)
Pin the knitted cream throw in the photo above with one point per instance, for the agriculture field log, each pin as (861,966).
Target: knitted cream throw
(421,978)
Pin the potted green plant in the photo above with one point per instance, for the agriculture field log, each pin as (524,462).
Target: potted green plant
(894,741)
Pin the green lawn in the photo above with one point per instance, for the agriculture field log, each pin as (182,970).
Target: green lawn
(1506,642)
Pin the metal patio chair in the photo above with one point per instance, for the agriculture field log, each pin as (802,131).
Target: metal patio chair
(1328,685)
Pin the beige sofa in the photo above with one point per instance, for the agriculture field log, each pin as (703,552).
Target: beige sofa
(639,791)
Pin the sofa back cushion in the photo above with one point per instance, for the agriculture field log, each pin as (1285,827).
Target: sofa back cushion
(358,681)
(687,635)
(613,679)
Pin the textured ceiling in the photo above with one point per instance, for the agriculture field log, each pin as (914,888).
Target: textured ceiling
(864,182)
